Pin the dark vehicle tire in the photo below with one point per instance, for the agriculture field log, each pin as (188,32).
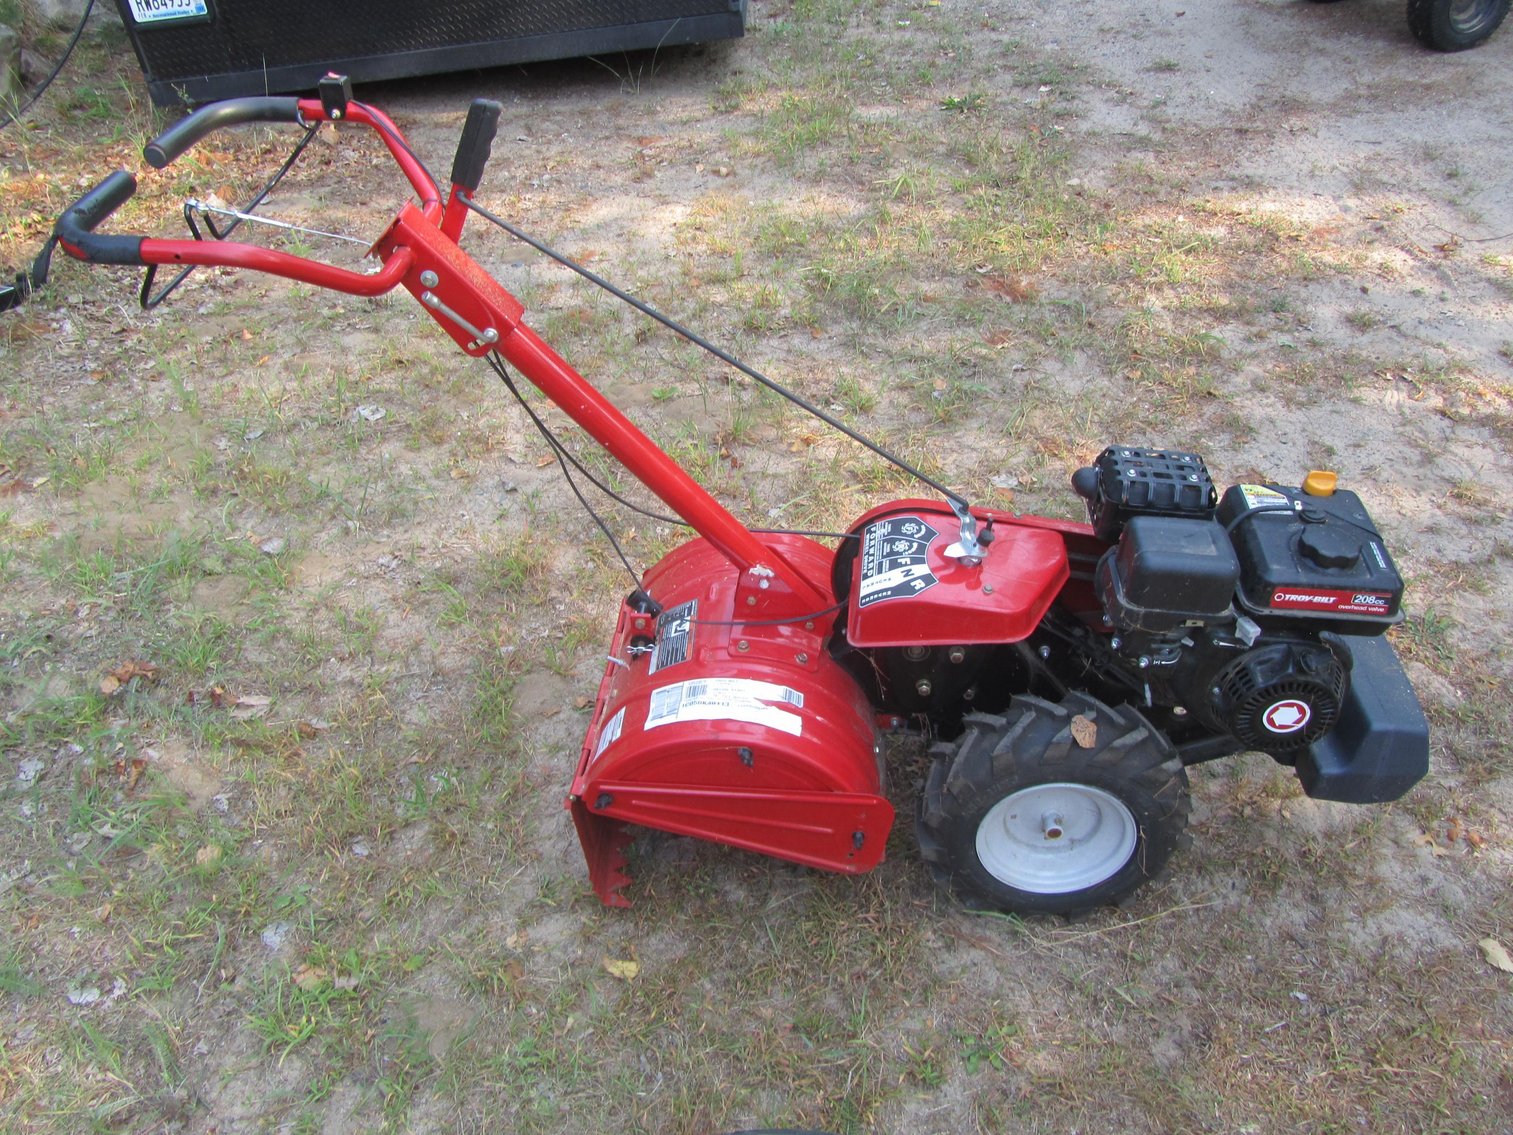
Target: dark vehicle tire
(1052,809)
(1454,25)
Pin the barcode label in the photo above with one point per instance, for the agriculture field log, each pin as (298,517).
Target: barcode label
(674,636)
(727,699)
(611,732)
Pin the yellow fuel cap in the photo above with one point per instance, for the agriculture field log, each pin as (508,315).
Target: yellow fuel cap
(1320,483)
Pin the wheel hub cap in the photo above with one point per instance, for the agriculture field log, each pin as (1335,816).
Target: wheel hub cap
(1056,838)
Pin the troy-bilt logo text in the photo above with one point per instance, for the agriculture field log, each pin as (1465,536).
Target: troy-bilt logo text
(1326,599)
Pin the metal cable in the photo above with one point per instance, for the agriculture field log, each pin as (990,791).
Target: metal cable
(724,356)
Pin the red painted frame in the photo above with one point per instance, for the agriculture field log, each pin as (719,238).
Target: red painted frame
(420,244)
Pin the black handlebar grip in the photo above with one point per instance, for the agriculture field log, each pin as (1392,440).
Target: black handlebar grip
(187,131)
(75,228)
(475,144)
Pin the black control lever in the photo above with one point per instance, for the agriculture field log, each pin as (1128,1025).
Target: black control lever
(476,143)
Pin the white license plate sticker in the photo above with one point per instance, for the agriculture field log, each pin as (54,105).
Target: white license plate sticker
(161,11)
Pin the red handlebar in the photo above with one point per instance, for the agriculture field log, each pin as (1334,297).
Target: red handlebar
(75,228)
(419,250)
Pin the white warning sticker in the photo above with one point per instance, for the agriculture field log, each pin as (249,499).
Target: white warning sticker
(1259,496)
(610,733)
(727,699)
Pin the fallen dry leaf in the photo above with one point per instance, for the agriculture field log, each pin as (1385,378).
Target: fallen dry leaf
(1084,731)
(134,669)
(1015,289)
(622,968)
(250,705)
(1426,839)
(309,977)
(1494,952)
(208,856)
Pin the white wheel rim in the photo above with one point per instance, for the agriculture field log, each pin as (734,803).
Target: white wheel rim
(1056,838)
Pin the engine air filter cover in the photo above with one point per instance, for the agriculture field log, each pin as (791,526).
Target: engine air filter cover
(1127,481)
(1168,571)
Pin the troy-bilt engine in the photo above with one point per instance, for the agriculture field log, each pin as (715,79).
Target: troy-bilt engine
(1066,673)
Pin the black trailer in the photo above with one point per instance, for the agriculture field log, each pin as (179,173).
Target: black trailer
(195,51)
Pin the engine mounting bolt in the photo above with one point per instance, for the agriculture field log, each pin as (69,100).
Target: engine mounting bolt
(640,624)
(923,687)
(987,589)
(1045,652)
(801,658)
(1143,662)
(1051,824)
(764,583)
(751,600)
(957,655)
(809,626)
(429,279)
(743,646)
(1116,642)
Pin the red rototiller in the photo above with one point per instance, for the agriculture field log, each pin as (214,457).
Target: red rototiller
(1066,673)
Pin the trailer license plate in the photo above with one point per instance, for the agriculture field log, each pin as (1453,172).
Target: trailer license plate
(163,11)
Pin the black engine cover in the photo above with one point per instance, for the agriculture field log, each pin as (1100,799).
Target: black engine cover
(1311,559)
(1280,697)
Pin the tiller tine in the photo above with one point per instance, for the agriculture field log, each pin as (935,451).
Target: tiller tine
(604,843)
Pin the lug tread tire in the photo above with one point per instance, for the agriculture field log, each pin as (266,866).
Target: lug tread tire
(1033,743)
(1434,26)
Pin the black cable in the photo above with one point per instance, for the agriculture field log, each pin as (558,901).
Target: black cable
(398,139)
(149,301)
(15,116)
(811,617)
(724,356)
(498,364)
(562,456)
(565,457)
(1295,509)
(662,518)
